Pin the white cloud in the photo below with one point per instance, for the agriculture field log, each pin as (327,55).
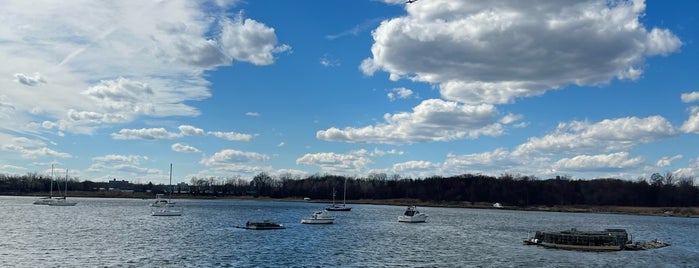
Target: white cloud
(608,162)
(117,164)
(667,161)
(579,137)
(497,51)
(417,168)
(233,157)
(692,123)
(28,148)
(231,136)
(327,61)
(115,63)
(144,134)
(432,120)
(336,163)
(248,40)
(184,148)
(253,114)
(399,93)
(186,130)
(690,97)
(27,80)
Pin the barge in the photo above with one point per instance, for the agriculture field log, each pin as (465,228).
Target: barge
(606,240)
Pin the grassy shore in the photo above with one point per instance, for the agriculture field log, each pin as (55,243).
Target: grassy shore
(650,211)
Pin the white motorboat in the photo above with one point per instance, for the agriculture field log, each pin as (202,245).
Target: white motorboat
(319,217)
(166,211)
(411,214)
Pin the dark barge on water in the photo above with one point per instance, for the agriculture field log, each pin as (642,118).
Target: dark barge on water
(606,240)
(263,225)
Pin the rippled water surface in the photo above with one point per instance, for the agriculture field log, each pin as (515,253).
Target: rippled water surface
(121,233)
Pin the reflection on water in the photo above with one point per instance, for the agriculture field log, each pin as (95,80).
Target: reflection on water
(121,233)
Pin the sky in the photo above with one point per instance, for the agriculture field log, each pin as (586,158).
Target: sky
(231,89)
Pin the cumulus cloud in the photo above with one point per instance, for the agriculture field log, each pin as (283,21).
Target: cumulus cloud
(417,168)
(608,162)
(231,136)
(432,120)
(115,63)
(144,134)
(27,80)
(130,164)
(578,137)
(186,130)
(692,123)
(336,163)
(690,97)
(497,51)
(28,148)
(248,40)
(232,157)
(399,93)
(667,161)
(184,148)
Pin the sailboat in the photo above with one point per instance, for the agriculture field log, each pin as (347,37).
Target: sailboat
(62,201)
(337,207)
(168,208)
(48,199)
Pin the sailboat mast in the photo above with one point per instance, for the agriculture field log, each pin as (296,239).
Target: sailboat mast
(170,195)
(51,190)
(65,192)
(344,194)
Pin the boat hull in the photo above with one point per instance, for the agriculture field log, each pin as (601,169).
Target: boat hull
(62,204)
(582,247)
(606,240)
(317,221)
(43,201)
(166,213)
(412,219)
(338,208)
(265,225)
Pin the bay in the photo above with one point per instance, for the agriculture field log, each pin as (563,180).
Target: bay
(104,232)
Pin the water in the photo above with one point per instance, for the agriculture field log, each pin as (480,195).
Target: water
(121,233)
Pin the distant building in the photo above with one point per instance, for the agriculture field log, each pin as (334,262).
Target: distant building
(181,188)
(115,185)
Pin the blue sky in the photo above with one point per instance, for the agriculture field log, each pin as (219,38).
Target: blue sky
(230,89)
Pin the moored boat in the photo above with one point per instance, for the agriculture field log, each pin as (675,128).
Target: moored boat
(319,217)
(411,214)
(263,225)
(606,240)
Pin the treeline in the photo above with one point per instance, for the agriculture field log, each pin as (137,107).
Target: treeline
(507,189)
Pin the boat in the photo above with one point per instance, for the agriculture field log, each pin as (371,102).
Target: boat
(263,225)
(166,208)
(319,217)
(47,199)
(166,211)
(160,201)
(411,214)
(338,207)
(62,201)
(606,240)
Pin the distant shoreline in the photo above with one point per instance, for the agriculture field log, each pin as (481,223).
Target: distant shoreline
(692,212)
